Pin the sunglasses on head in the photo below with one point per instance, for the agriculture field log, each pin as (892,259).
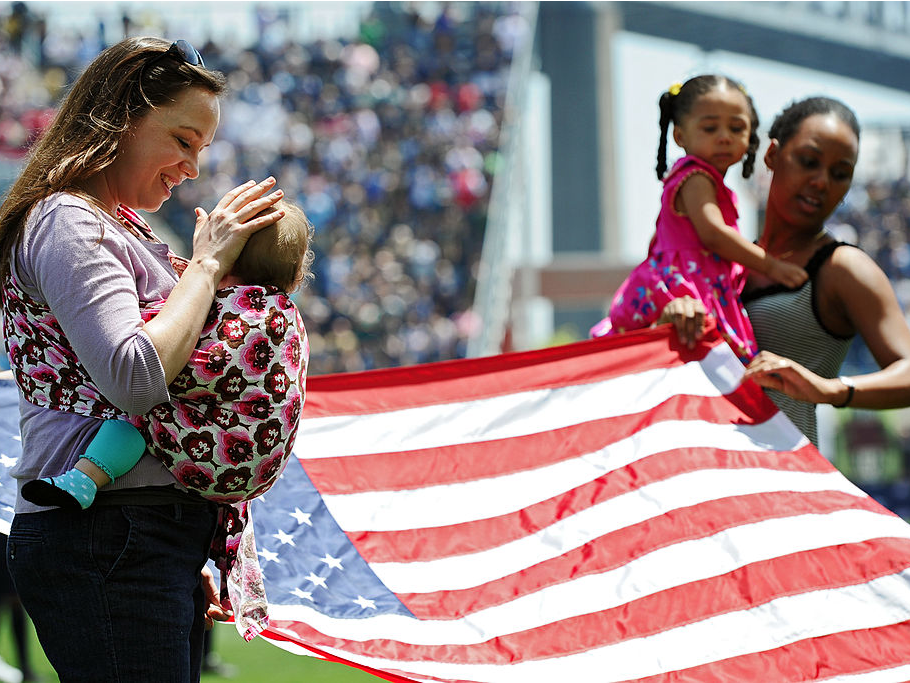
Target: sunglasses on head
(182,50)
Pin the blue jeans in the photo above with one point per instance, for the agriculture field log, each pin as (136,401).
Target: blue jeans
(114,591)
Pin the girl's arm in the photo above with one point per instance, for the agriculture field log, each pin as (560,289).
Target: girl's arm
(696,198)
(856,297)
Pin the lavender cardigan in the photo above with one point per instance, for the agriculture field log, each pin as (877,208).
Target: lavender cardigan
(92,273)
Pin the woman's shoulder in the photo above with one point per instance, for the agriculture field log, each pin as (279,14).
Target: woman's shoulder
(854,294)
(688,165)
(846,261)
(844,272)
(62,204)
(64,224)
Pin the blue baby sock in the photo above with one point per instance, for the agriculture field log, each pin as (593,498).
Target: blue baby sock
(70,489)
(115,449)
(78,484)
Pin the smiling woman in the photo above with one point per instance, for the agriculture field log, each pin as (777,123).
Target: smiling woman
(804,332)
(116,592)
(160,152)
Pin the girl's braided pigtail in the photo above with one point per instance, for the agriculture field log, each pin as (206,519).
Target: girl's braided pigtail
(666,116)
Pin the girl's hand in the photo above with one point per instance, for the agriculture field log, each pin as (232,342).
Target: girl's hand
(688,317)
(786,273)
(220,235)
(796,381)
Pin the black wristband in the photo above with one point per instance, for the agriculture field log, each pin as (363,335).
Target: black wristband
(847,382)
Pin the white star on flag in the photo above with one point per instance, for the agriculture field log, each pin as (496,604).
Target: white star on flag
(365,603)
(302,594)
(269,556)
(333,562)
(301,517)
(286,539)
(316,580)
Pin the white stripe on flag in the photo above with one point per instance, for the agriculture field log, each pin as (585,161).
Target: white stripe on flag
(443,505)
(691,561)
(511,415)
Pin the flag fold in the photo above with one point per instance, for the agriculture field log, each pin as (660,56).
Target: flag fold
(619,509)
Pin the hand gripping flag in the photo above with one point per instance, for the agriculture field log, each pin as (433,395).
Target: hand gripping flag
(613,510)
(619,509)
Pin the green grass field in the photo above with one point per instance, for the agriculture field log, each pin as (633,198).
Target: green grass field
(255,662)
(262,662)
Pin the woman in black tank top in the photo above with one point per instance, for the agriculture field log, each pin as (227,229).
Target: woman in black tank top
(804,333)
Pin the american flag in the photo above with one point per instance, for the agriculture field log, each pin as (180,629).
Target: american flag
(10,450)
(617,509)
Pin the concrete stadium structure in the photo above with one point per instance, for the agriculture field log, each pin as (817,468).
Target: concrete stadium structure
(564,275)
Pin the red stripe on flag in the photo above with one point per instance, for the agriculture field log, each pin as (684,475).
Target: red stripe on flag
(466,462)
(615,549)
(444,541)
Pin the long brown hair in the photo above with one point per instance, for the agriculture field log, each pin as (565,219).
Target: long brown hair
(115,91)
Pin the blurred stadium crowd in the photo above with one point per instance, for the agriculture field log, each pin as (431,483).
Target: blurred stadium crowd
(388,141)
(875,216)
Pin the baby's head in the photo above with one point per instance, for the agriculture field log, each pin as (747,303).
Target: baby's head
(280,254)
(703,108)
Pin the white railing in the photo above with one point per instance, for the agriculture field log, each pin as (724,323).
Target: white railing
(508,206)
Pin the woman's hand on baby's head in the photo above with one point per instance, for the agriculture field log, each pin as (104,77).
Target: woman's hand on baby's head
(221,234)
(786,273)
(249,200)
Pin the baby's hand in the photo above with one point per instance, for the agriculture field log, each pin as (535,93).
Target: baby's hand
(786,273)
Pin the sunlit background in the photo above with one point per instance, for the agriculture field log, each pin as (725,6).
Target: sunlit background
(480,175)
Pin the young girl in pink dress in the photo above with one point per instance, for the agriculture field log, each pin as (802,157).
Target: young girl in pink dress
(697,249)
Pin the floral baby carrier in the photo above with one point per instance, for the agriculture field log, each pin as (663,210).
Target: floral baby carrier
(235,408)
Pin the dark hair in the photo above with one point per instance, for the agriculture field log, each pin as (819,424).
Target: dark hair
(789,120)
(674,107)
(117,89)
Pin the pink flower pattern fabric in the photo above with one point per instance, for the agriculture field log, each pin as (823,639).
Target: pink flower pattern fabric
(679,265)
(235,408)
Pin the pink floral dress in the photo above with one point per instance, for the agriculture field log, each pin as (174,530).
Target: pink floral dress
(678,265)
